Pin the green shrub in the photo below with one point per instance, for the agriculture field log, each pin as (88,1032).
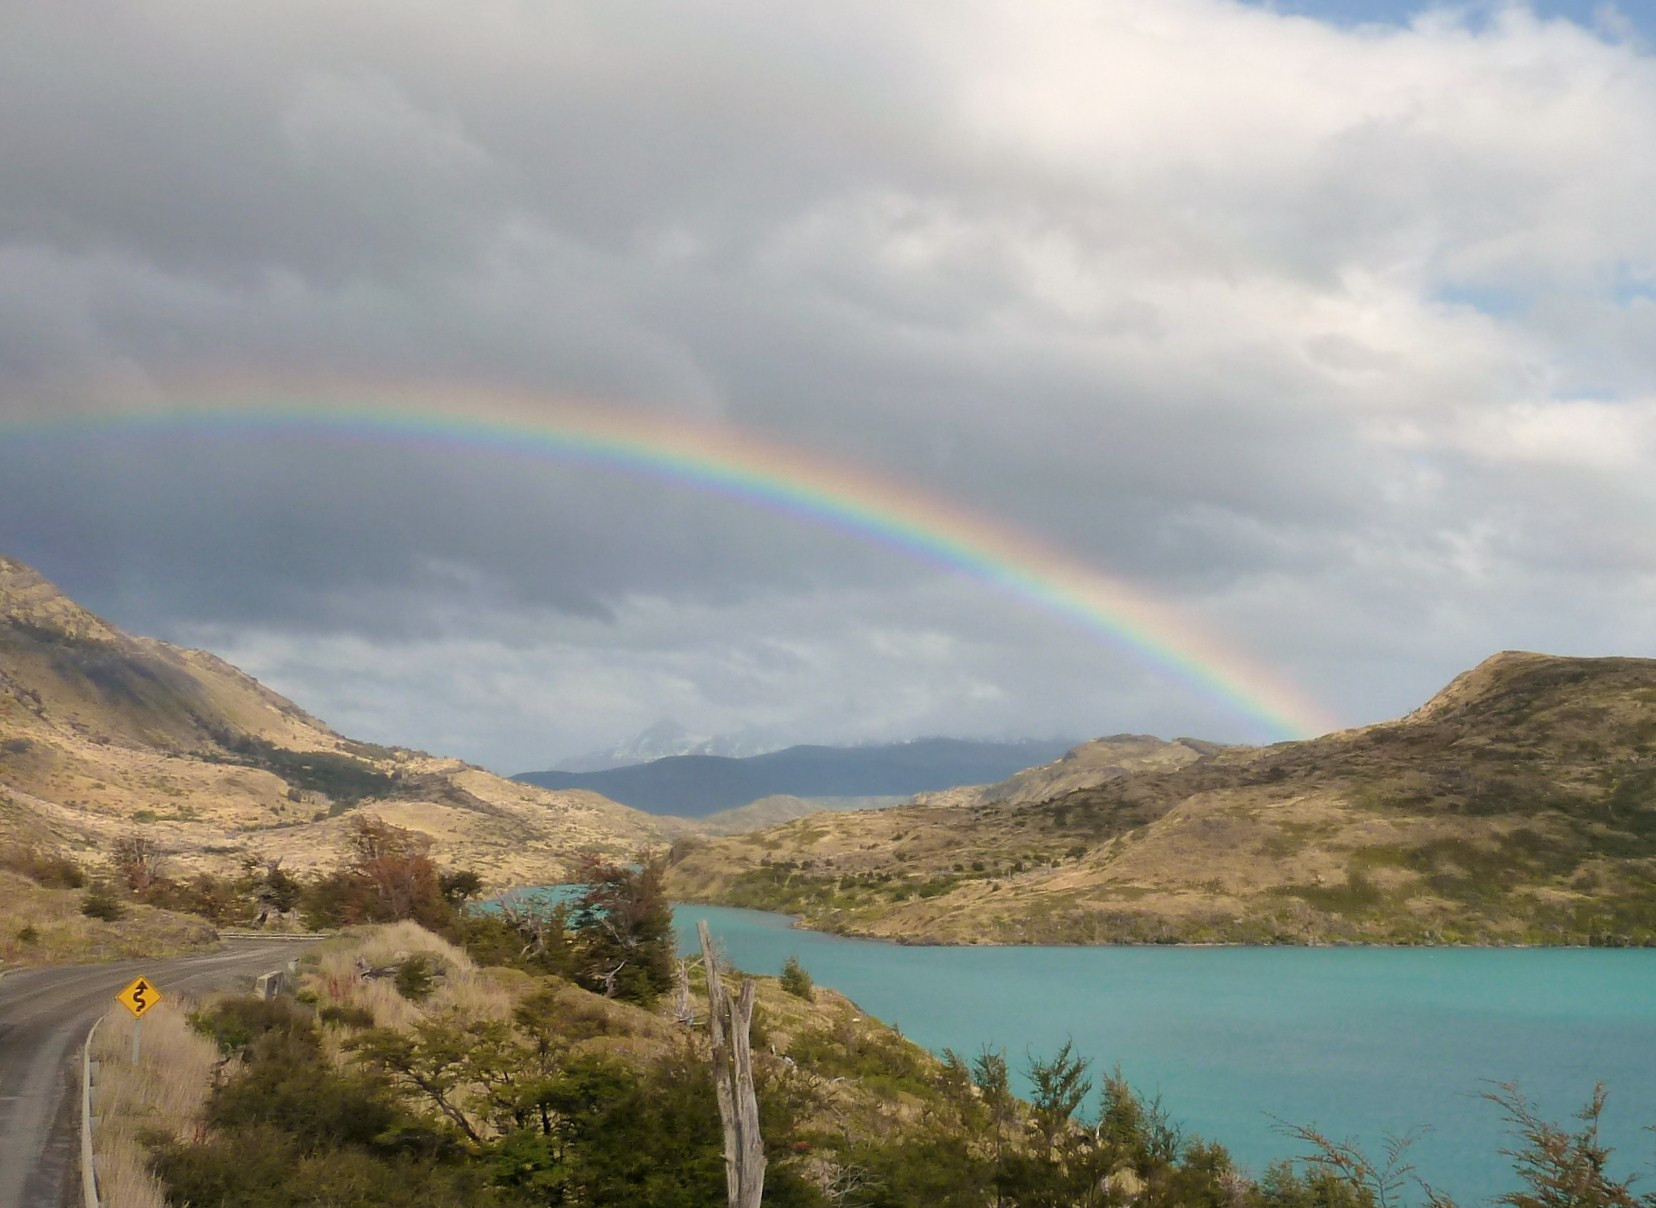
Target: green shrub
(344,779)
(308,1099)
(350,1017)
(27,934)
(101,903)
(416,978)
(238,1024)
(795,980)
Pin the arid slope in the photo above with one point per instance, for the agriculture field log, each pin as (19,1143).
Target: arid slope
(1518,805)
(1087,766)
(103,734)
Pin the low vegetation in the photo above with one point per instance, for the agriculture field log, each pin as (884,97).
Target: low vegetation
(159,1101)
(505,1087)
(342,778)
(550,1053)
(52,912)
(795,980)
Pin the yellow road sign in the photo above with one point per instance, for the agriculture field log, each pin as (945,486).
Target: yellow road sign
(139,997)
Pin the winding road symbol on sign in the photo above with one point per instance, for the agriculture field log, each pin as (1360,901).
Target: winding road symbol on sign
(139,997)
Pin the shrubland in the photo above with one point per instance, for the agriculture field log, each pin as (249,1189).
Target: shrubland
(53,911)
(508,1086)
(158,1101)
(552,1053)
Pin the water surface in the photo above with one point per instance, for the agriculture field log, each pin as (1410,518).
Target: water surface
(1360,1042)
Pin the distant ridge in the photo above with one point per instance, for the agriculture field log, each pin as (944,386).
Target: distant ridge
(1087,766)
(693,786)
(663,740)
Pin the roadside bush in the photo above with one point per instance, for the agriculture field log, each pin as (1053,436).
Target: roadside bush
(237,1024)
(387,876)
(264,1168)
(101,903)
(347,1016)
(51,869)
(316,1105)
(415,978)
(531,936)
(293,1128)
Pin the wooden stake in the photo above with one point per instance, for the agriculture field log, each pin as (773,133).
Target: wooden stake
(730,1024)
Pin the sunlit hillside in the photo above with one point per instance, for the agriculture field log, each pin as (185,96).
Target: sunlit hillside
(103,734)
(1518,805)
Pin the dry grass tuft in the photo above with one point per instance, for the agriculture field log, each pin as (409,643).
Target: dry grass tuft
(165,1093)
(462,988)
(383,943)
(476,997)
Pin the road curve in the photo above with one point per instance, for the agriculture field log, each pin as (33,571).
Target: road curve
(44,1017)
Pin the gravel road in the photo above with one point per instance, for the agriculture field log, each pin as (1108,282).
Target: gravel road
(44,1017)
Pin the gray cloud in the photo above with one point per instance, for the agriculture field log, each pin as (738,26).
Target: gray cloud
(1338,339)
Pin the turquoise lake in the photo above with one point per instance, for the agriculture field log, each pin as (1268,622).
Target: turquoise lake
(1360,1042)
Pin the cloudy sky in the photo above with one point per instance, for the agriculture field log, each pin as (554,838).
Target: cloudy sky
(1328,327)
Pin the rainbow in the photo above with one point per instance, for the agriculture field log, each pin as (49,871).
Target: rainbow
(757,472)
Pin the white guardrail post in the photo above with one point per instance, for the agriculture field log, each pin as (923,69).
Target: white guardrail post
(89,1174)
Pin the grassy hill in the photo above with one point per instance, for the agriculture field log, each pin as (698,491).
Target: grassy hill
(1518,805)
(103,734)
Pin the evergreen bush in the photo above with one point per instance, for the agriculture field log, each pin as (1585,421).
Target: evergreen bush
(101,903)
(795,980)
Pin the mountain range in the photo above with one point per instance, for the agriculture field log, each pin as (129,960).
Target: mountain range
(693,786)
(103,733)
(664,739)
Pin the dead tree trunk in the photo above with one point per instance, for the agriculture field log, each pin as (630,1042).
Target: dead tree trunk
(729,1023)
(682,1010)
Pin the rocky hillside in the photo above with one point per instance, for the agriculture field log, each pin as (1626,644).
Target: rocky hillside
(62,668)
(1518,805)
(102,734)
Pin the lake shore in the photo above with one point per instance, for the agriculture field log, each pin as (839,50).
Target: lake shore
(1363,1041)
(1113,930)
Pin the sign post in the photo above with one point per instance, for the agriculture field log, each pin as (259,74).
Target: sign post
(139,997)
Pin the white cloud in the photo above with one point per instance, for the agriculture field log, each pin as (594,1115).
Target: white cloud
(1588,435)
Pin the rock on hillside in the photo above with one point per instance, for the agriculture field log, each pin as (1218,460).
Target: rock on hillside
(102,733)
(1518,805)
